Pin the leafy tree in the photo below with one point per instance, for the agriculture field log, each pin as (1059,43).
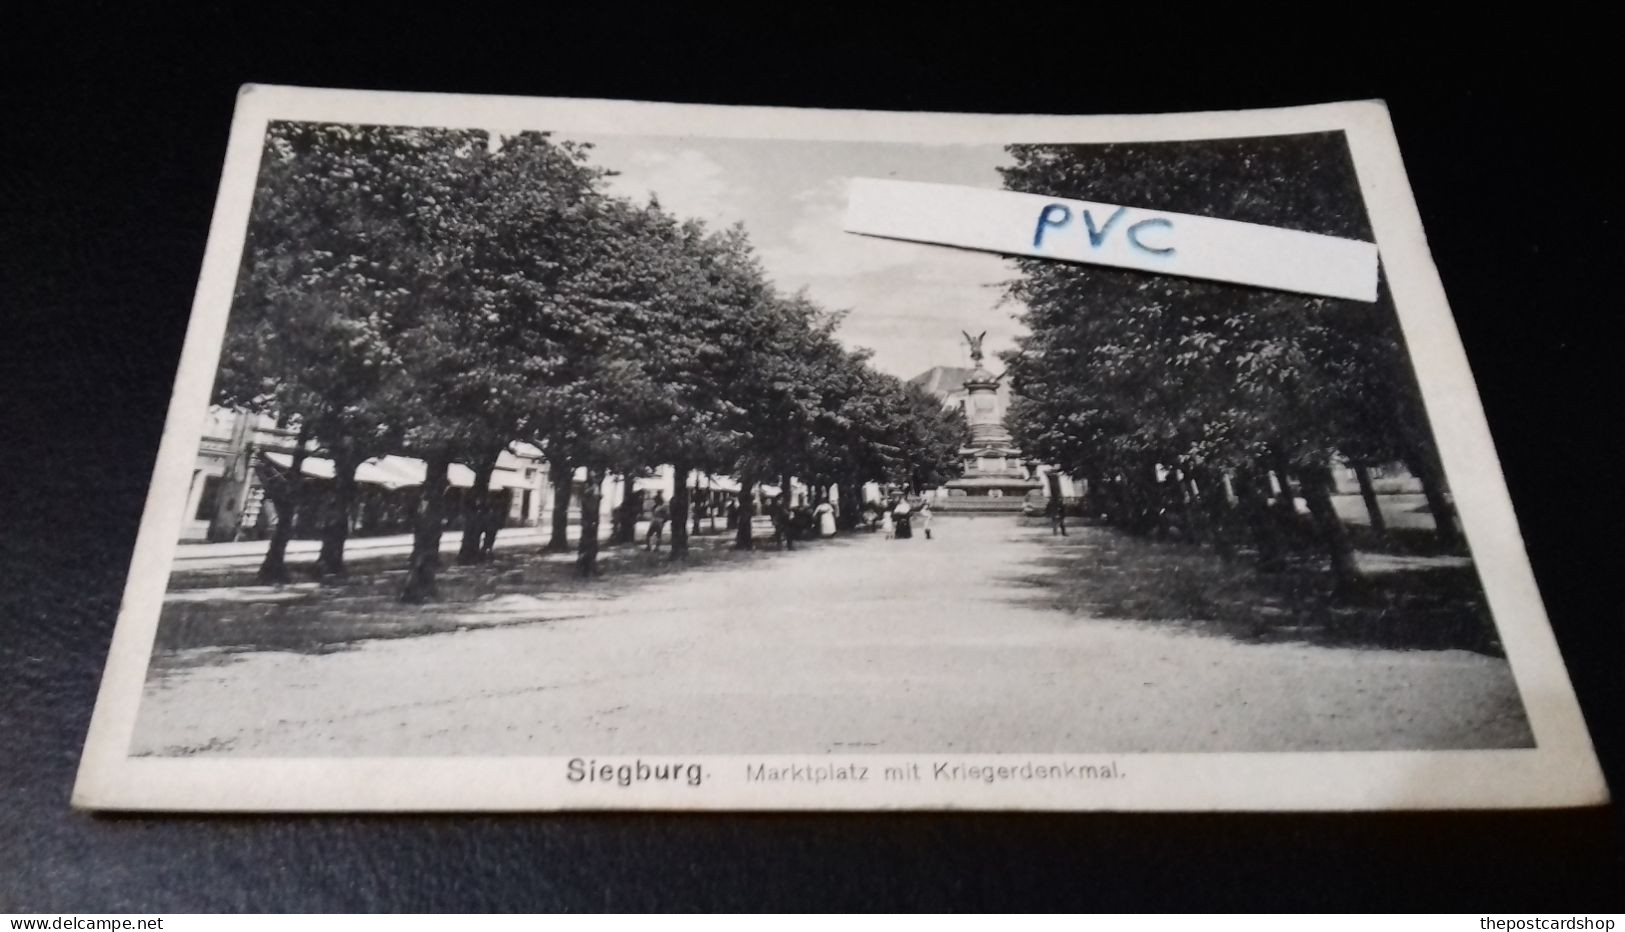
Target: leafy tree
(932,436)
(593,396)
(1162,390)
(331,261)
(421,291)
(507,227)
(697,321)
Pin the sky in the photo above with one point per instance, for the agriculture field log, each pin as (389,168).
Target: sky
(907,302)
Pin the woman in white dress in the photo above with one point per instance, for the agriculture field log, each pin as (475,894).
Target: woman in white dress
(825,513)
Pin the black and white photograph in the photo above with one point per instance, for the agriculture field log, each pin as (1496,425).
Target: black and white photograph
(606,447)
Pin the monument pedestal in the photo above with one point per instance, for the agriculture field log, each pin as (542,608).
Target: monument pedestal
(995,479)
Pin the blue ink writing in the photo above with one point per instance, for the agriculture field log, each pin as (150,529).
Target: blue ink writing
(1053,215)
(1133,234)
(1056,216)
(1096,237)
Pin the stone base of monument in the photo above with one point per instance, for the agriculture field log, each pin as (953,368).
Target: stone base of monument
(977,506)
(983,495)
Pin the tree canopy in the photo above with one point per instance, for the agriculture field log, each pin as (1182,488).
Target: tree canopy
(1131,377)
(444,294)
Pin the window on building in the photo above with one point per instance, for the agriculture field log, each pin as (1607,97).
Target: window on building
(210,499)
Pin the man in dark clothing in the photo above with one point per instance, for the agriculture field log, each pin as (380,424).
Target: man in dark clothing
(493,521)
(1057,516)
(657,522)
(783,534)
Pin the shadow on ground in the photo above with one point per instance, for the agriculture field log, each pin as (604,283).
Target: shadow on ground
(1104,573)
(518,587)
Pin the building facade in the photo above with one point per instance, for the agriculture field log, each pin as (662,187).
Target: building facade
(238,451)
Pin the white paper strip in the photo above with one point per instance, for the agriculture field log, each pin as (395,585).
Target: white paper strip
(1022,224)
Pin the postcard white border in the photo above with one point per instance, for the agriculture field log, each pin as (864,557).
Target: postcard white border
(1561,770)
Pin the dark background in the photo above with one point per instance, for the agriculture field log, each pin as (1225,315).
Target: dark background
(115,128)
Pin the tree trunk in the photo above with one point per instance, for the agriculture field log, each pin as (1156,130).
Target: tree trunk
(285,496)
(1426,469)
(562,475)
(1129,508)
(587,547)
(1094,499)
(1284,502)
(1134,507)
(1317,485)
(626,514)
(427,525)
(479,516)
(274,569)
(1215,505)
(850,495)
(679,512)
(1111,500)
(336,523)
(744,538)
(784,532)
(1183,497)
(1146,496)
(1251,499)
(1368,492)
(694,509)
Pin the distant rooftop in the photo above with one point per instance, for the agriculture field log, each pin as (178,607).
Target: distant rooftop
(942,381)
(947,381)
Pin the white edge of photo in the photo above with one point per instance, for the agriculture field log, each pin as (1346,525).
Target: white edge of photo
(1560,770)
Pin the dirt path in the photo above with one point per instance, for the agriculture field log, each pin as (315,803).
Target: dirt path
(854,645)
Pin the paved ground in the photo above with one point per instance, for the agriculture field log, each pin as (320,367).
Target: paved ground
(856,644)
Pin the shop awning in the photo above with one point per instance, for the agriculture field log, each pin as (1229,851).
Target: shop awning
(381,471)
(462,477)
(719,484)
(399,472)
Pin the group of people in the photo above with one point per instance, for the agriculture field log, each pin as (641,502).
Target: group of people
(660,516)
(898,516)
(791,522)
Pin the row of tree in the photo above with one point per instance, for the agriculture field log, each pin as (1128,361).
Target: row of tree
(441,294)
(1178,399)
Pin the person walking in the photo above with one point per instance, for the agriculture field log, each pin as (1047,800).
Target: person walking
(925,518)
(783,534)
(902,518)
(657,522)
(825,513)
(1057,516)
(494,519)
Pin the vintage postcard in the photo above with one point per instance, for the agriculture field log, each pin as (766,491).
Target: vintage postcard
(538,454)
